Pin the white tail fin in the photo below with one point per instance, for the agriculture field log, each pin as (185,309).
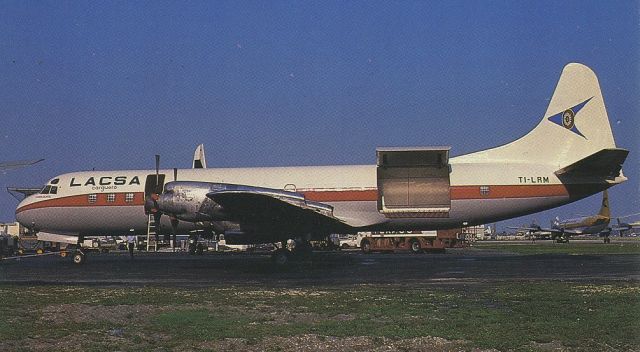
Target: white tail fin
(575,125)
(199,161)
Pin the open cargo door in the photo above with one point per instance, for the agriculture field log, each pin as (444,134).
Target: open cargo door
(413,182)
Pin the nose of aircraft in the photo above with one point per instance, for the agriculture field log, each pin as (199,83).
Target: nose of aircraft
(21,213)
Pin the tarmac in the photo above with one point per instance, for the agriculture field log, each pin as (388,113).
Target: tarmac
(455,266)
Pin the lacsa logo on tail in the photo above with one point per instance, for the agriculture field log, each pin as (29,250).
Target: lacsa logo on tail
(567,118)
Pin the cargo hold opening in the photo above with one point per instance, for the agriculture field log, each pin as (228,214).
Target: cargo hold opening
(414,182)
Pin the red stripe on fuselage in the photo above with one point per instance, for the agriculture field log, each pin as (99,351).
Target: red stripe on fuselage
(514,191)
(328,196)
(342,196)
(83,201)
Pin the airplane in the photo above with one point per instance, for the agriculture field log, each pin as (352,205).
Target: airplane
(12,165)
(626,226)
(569,155)
(560,230)
(533,231)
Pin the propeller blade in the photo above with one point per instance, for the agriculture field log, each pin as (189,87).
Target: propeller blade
(174,225)
(174,231)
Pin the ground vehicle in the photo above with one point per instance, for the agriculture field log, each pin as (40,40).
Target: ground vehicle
(350,241)
(415,241)
(28,243)
(8,245)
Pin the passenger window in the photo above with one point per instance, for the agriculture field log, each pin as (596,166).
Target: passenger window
(93,198)
(111,197)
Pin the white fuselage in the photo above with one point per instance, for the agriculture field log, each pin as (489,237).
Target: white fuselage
(112,202)
(573,140)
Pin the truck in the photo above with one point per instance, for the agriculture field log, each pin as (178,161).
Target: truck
(414,241)
(8,245)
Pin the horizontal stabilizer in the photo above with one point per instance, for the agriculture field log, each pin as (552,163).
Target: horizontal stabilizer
(605,163)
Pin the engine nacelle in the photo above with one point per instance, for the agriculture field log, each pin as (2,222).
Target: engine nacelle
(188,201)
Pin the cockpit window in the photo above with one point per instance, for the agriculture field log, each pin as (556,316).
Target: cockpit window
(55,181)
(54,190)
(46,189)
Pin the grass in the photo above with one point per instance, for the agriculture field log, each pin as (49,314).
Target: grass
(574,247)
(505,316)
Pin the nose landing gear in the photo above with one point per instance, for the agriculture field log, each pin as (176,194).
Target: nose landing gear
(79,257)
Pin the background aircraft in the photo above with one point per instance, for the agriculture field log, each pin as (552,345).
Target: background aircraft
(11,165)
(561,230)
(627,227)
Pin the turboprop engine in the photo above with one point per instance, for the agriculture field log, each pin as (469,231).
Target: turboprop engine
(188,201)
(259,214)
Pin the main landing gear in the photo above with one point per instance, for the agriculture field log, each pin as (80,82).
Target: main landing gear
(282,256)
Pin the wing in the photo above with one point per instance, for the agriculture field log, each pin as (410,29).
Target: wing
(522,228)
(553,231)
(278,211)
(17,164)
(568,231)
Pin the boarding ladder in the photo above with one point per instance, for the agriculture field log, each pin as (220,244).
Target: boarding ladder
(152,233)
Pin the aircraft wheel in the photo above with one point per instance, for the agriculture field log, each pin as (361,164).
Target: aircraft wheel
(365,245)
(302,249)
(79,258)
(415,246)
(280,257)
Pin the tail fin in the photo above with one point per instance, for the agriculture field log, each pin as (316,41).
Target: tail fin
(604,209)
(575,125)
(199,161)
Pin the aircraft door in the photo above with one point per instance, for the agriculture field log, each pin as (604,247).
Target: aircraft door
(414,182)
(153,184)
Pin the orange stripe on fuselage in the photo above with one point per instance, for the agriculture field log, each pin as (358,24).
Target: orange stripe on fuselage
(83,201)
(513,191)
(457,193)
(341,196)
(328,196)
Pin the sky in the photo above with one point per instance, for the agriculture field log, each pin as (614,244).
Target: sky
(109,84)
